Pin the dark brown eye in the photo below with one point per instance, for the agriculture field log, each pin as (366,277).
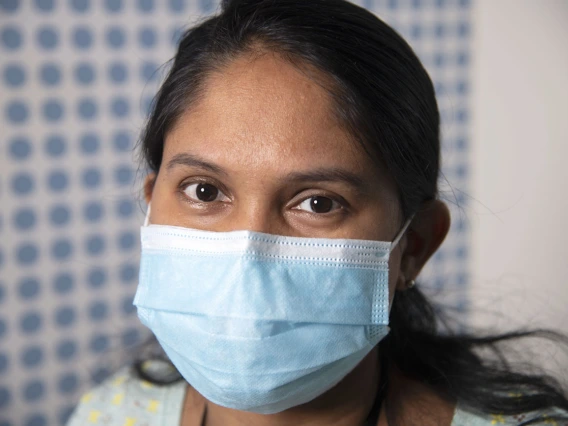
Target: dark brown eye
(321,204)
(206,192)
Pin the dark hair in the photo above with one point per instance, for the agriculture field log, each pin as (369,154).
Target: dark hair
(383,95)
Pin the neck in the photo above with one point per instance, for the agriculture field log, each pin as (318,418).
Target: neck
(346,404)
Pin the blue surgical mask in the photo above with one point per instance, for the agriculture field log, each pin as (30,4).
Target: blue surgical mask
(259,322)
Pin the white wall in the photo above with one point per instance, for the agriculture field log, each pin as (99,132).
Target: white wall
(520,158)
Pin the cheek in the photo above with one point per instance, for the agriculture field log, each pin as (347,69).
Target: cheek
(164,205)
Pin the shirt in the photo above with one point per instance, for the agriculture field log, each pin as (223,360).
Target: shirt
(126,400)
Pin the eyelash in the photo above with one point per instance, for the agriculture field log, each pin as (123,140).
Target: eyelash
(185,185)
(338,202)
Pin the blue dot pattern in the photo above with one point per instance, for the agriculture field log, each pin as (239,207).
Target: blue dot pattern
(77,79)
(55,145)
(50,74)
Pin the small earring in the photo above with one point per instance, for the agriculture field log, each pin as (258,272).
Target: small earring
(410,284)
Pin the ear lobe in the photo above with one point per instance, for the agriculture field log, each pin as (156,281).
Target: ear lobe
(425,235)
(149,182)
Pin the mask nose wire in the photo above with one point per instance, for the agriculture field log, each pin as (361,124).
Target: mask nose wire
(393,244)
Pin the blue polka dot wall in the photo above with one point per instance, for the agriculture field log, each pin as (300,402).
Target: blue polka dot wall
(77,78)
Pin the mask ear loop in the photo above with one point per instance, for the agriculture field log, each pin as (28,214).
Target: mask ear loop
(395,243)
(147,218)
(398,236)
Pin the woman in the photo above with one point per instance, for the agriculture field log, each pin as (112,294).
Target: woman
(294,149)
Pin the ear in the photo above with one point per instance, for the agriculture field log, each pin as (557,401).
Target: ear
(425,234)
(149,186)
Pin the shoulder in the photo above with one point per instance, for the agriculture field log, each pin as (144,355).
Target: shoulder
(549,417)
(125,400)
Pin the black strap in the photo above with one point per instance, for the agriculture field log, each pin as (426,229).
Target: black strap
(373,416)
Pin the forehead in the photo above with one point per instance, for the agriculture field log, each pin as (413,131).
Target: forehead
(262,108)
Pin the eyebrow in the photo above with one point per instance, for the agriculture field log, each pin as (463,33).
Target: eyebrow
(332,174)
(329,175)
(191,160)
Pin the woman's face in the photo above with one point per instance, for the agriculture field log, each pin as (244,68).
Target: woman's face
(262,151)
